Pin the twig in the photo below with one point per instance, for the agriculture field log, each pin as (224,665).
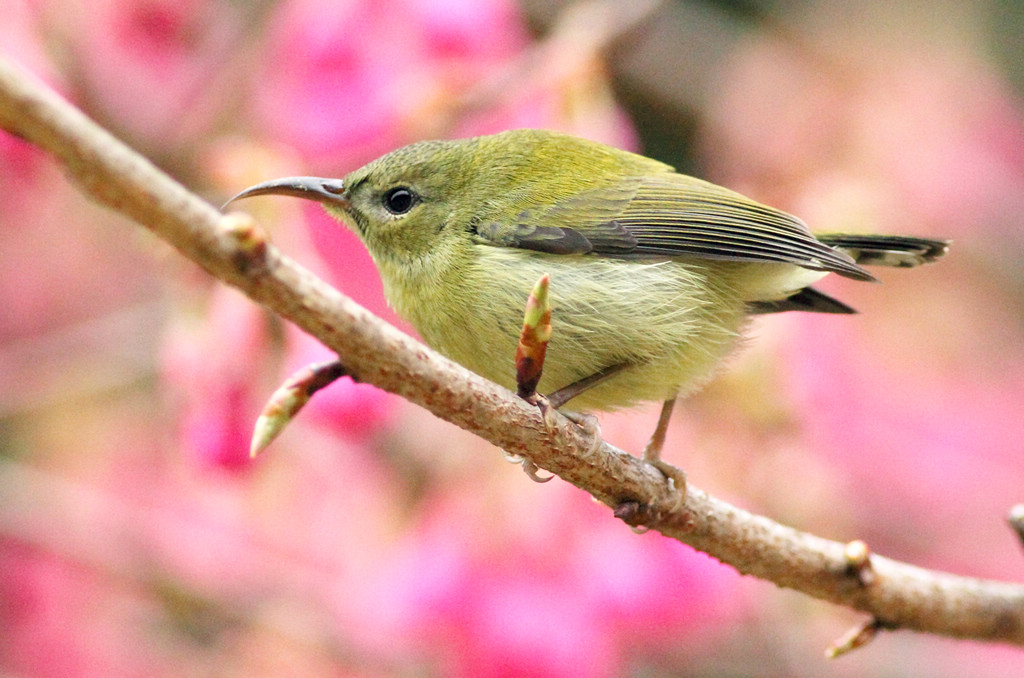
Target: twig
(289,398)
(858,636)
(898,596)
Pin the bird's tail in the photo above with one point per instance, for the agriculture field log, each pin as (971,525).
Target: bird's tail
(901,251)
(870,250)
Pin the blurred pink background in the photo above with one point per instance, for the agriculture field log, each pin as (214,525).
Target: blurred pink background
(138,539)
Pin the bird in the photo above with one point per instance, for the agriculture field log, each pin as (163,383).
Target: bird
(654,274)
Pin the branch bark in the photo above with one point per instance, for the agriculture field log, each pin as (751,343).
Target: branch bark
(233,249)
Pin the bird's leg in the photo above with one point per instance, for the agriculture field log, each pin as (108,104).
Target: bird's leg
(652,451)
(587,422)
(530,354)
(567,393)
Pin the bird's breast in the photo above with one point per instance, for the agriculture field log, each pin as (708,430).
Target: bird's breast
(668,319)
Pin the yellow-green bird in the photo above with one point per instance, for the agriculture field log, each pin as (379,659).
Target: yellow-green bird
(654,274)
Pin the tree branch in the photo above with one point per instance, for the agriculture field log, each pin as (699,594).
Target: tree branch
(234,249)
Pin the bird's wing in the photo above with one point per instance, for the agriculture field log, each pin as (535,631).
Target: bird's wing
(668,215)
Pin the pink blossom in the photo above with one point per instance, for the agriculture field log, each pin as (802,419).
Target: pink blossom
(20,181)
(62,618)
(935,136)
(36,594)
(952,144)
(915,435)
(347,83)
(468,32)
(215,370)
(21,39)
(145,63)
(351,269)
(336,77)
(584,597)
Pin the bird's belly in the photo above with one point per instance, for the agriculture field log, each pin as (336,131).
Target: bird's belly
(671,323)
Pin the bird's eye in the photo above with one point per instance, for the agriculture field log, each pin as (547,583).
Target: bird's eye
(399,200)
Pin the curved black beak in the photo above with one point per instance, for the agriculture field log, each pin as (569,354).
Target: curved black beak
(328,191)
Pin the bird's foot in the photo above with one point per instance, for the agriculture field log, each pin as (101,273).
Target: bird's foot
(675,476)
(591,429)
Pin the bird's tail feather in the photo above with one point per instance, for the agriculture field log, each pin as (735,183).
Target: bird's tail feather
(807,299)
(871,250)
(887,250)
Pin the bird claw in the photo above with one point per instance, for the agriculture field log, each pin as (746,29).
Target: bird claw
(629,511)
(528,466)
(546,410)
(531,470)
(591,429)
(676,479)
(588,422)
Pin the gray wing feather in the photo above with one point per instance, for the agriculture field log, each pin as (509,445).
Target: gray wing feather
(669,215)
